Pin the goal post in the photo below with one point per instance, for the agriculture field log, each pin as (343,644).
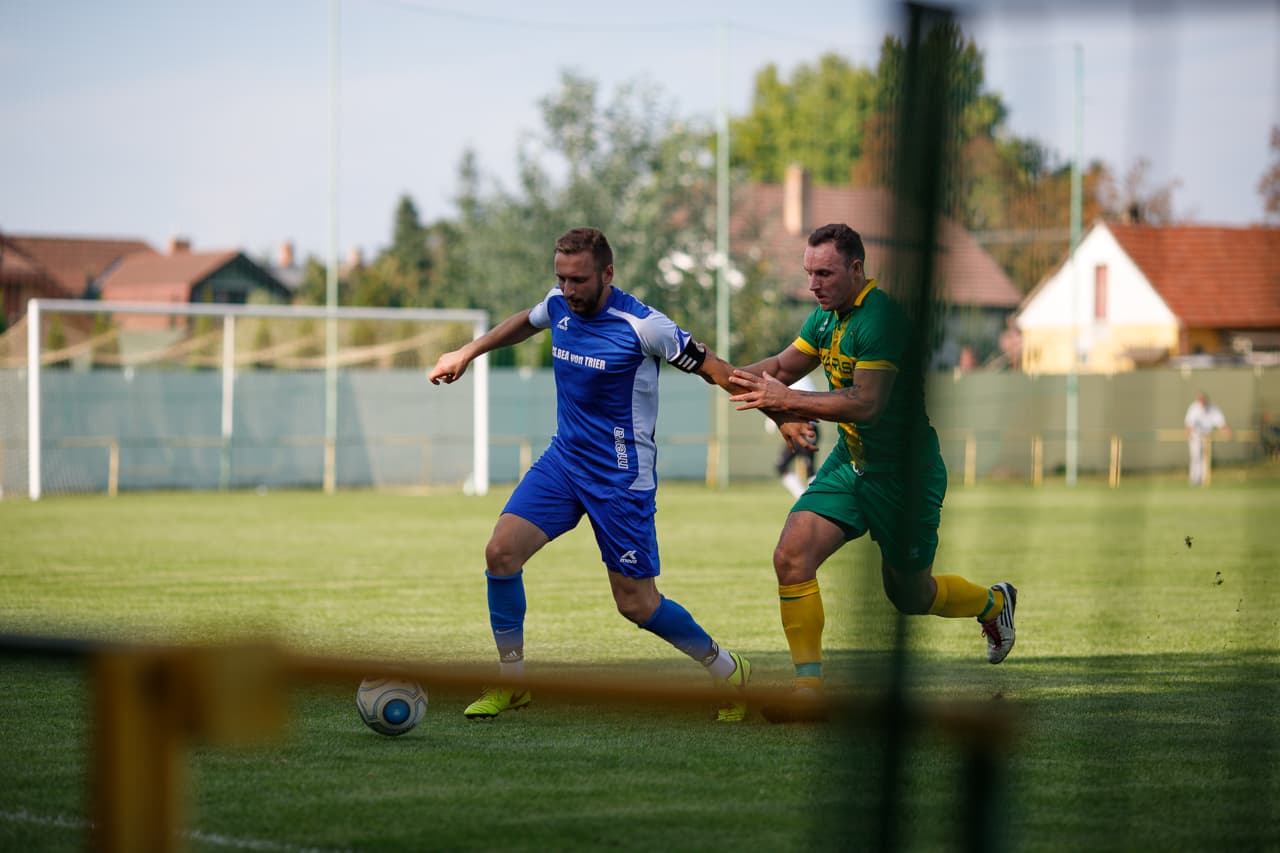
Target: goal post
(140,395)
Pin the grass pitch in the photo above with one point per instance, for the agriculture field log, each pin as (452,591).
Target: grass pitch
(1146,676)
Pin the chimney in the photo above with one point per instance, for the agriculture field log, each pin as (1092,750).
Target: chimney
(285,258)
(179,245)
(795,201)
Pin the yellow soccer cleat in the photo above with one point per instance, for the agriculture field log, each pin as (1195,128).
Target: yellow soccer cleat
(734,710)
(999,631)
(494,700)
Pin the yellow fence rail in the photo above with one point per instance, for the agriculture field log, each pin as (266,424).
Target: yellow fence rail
(152,703)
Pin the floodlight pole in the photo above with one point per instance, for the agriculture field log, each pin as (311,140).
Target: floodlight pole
(1073,378)
(34,438)
(331,269)
(722,250)
(228,398)
(480,412)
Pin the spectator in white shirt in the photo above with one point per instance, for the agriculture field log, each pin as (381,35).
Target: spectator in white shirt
(1203,417)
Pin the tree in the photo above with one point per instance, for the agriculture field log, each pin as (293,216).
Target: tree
(107,334)
(314,289)
(409,240)
(56,341)
(630,168)
(1011,192)
(389,282)
(1269,184)
(1133,199)
(817,119)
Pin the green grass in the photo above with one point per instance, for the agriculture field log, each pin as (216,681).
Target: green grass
(1145,681)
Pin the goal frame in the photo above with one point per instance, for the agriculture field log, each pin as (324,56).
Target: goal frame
(229,313)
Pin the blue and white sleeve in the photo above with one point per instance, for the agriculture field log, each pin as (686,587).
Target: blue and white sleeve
(660,336)
(539,315)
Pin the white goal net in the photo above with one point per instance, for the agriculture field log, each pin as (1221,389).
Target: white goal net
(111,396)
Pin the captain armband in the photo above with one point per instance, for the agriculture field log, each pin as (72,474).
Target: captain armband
(690,358)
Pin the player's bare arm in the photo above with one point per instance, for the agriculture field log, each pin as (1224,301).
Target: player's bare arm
(861,403)
(787,366)
(451,365)
(716,371)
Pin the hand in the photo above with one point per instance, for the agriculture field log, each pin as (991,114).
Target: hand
(449,368)
(762,392)
(799,435)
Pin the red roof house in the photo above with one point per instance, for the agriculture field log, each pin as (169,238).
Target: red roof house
(56,267)
(1143,294)
(778,218)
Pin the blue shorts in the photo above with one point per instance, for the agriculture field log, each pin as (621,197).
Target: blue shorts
(555,500)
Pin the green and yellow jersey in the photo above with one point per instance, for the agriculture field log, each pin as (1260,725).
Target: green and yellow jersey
(872,335)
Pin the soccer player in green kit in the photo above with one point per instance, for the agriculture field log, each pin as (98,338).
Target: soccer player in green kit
(861,337)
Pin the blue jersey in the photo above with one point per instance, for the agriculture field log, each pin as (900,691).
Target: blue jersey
(606,369)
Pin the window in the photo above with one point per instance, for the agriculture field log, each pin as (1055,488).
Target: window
(1100,292)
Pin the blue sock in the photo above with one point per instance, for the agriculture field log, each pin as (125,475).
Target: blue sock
(674,624)
(506,615)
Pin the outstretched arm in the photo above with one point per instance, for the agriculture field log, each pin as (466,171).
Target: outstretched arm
(717,371)
(787,366)
(861,403)
(450,366)
(797,431)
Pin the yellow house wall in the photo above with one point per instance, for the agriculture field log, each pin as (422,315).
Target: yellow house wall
(1203,340)
(1049,350)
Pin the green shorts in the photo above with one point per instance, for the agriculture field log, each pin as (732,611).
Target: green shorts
(875,502)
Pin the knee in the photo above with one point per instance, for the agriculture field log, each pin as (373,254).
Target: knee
(633,610)
(791,566)
(909,604)
(910,599)
(637,606)
(500,559)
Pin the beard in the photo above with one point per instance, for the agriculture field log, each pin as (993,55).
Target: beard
(586,302)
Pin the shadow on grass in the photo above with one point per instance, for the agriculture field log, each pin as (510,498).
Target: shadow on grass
(1141,752)
(1151,752)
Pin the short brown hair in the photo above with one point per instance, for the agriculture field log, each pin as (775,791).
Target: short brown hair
(577,240)
(848,242)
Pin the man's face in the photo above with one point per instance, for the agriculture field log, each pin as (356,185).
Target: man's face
(584,287)
(833,283)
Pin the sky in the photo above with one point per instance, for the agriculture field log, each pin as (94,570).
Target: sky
(213,121)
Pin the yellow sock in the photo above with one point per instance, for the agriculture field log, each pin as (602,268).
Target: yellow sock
(802,621)
(959,598)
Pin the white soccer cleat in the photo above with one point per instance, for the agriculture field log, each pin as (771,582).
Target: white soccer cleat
(999,631)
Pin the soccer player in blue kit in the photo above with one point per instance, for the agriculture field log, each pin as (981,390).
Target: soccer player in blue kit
(607,347)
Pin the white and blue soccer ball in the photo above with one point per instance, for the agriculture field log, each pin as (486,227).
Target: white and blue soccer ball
(391,706)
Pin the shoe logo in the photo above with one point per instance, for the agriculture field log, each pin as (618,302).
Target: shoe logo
(628,557)
(563,325)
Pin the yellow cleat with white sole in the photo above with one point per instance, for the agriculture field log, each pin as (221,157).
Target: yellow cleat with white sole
(494,700)
(734,709)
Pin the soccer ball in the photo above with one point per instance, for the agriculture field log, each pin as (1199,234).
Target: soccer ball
(391,706)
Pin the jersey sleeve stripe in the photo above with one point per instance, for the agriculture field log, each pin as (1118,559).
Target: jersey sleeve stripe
(805,347)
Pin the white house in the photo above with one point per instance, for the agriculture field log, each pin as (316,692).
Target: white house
(1135,295)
